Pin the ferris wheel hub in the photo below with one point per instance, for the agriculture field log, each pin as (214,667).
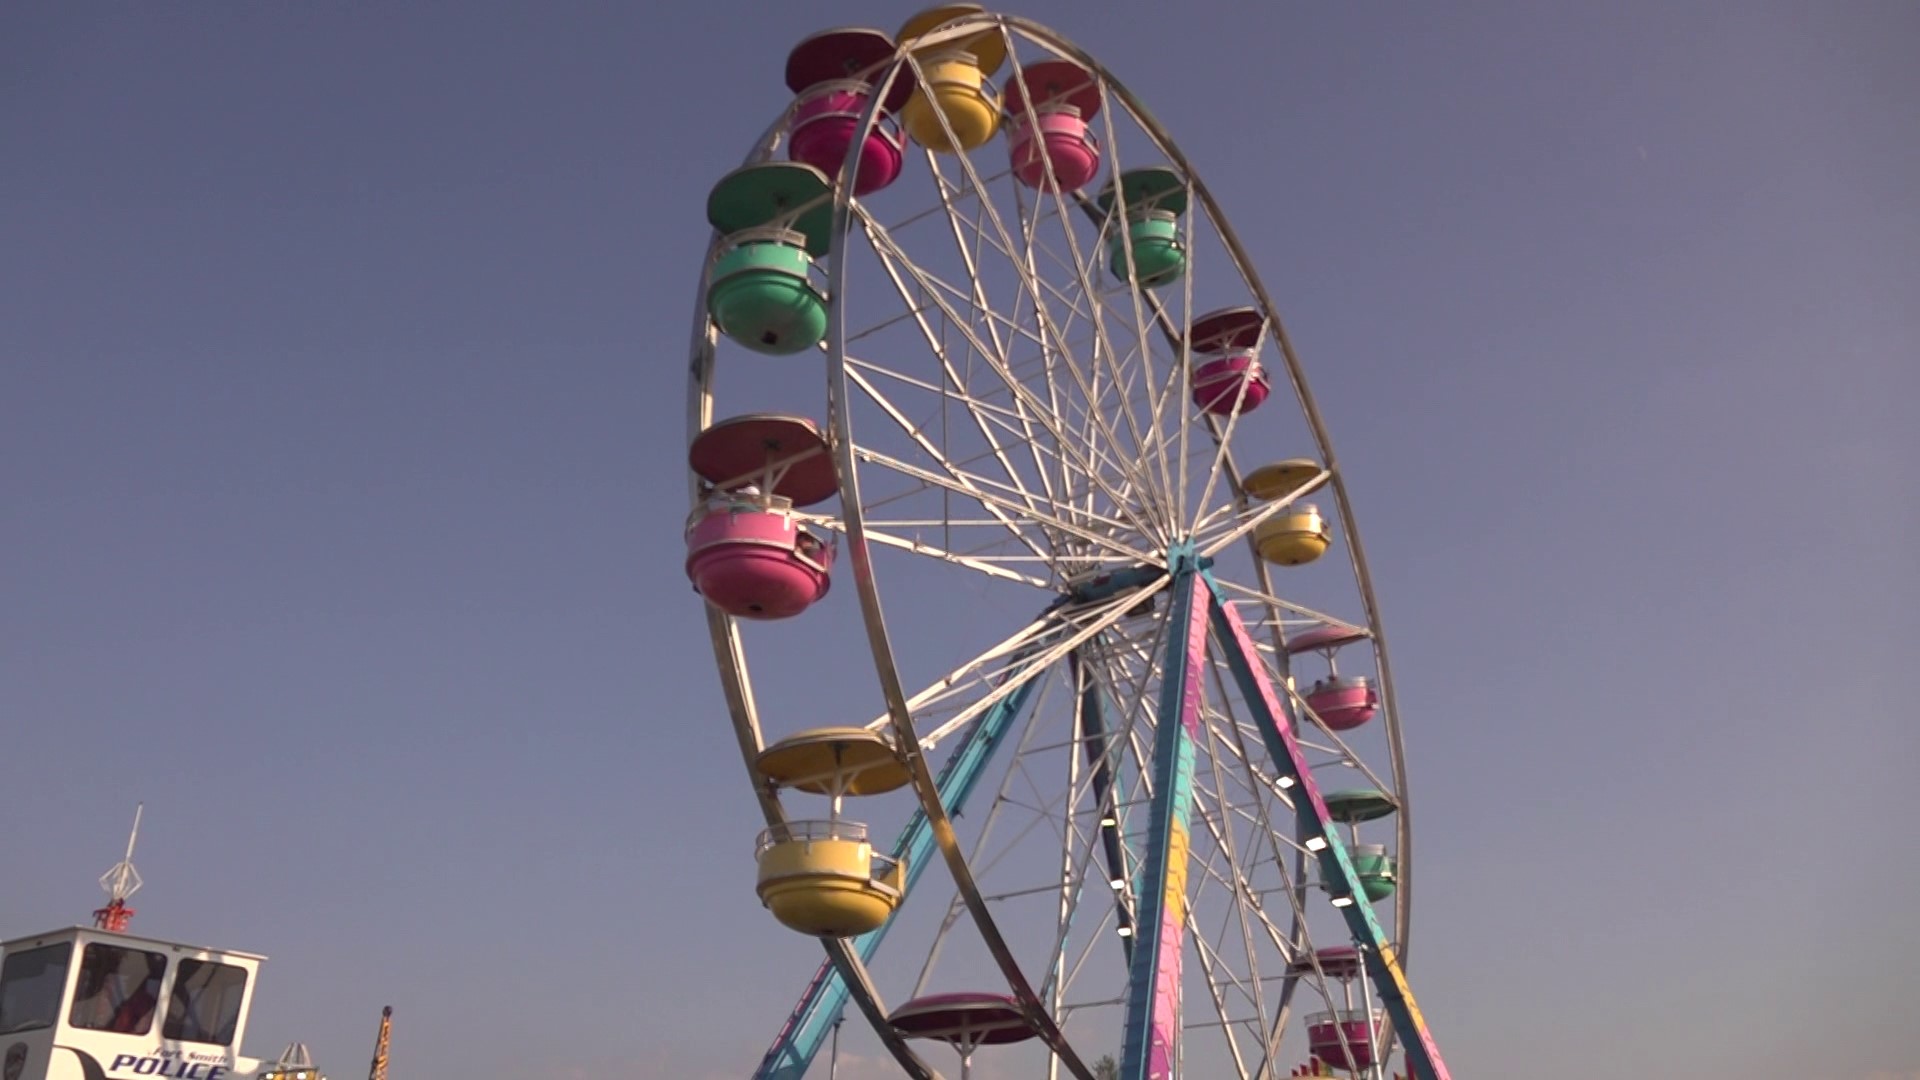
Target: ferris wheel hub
(1096,585)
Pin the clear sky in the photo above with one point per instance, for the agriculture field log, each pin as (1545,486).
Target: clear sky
(341,443)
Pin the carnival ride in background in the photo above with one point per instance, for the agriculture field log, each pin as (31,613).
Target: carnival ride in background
(1057,462)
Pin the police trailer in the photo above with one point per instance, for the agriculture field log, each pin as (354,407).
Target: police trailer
(91,1004)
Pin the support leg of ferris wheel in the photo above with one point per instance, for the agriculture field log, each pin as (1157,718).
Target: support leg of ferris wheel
(812,1021)
(1151,1045)
(1273,718)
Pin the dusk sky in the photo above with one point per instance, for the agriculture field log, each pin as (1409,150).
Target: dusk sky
(342,444)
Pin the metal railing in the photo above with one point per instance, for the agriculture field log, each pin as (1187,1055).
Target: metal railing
(792,831)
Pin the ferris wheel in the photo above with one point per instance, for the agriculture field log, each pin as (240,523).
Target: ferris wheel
(1104,658)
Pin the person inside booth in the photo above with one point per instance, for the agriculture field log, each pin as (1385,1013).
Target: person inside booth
(118,989)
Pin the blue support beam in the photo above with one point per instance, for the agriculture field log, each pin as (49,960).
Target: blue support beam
(1150,1049)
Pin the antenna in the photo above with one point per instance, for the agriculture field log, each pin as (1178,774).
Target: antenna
(120,883)
(379,1070)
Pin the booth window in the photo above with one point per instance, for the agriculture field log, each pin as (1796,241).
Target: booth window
(118,989)
(205,1006)
(30,986)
